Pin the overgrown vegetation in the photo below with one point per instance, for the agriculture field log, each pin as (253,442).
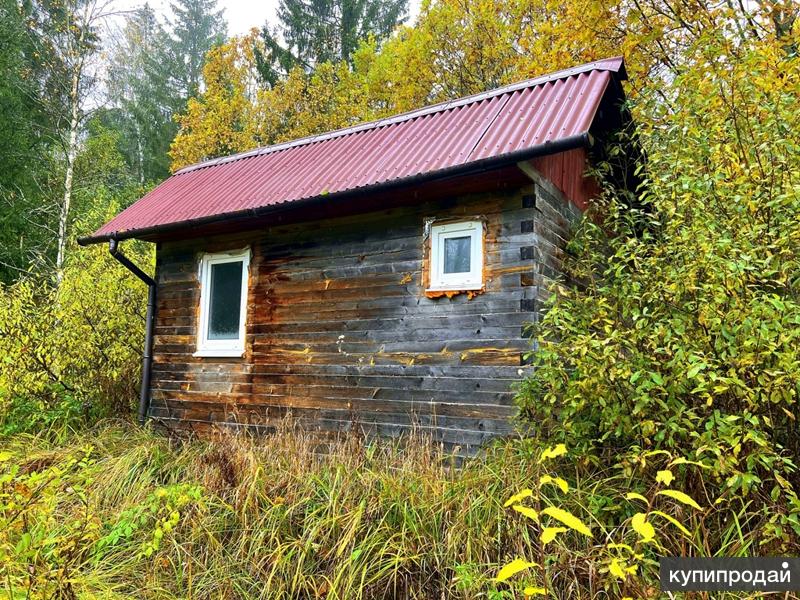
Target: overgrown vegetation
(70,355)
(118,511)
(664,386)
(684,334)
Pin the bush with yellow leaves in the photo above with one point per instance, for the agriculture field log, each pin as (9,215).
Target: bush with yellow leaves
(623,554)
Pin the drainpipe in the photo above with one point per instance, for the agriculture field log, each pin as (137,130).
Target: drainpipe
(147,355)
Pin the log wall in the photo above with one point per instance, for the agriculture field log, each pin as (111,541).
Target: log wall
(340,332)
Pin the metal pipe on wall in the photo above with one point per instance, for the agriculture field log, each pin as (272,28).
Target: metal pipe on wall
(147,355)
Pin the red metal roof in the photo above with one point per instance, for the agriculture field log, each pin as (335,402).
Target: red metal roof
(546,114)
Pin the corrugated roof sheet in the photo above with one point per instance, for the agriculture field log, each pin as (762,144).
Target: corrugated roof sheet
(429,141)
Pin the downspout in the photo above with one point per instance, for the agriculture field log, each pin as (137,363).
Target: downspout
(147,355)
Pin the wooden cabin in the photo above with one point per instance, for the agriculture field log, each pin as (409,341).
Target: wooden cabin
(378,277)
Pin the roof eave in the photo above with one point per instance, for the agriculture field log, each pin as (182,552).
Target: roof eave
(568,143)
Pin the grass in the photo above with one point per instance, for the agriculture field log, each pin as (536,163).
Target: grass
(286,517)
(280,519)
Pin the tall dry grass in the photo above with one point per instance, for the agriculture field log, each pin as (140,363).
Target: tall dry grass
(286,516)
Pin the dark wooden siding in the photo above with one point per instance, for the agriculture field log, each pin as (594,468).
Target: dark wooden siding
(340,333)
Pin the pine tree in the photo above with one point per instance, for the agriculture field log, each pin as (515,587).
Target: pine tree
(198,27)
(316,31)
(143,95)
(25,135)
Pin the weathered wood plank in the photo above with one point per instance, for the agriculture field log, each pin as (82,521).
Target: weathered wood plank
(340,334)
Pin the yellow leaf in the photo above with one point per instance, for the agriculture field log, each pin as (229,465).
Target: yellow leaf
(682,461)
(656,453)
(528,512)
(680,497)
(526,493)
(674,521)
(555,481)
(616,569)
(635,496)
(534,591)
(553,452)
(619,547)
(642,527)
(4,456)
(550,533)
(666,477)
(512,568)
(567,519)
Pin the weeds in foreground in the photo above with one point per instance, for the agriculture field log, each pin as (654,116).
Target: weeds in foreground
(123,511)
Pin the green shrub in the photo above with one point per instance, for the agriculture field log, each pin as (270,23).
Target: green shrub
(72,354)
(684,335)
(42,547)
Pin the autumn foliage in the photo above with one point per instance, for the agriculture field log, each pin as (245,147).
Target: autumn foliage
(663,393)
(457,48)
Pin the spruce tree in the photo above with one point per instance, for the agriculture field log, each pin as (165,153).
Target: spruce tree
(25,134)
(316,31)
(144,95)
(197,27)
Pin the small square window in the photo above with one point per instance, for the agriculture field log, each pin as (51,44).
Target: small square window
(223,304)
(456,256)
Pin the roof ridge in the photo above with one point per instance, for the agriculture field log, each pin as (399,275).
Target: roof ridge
(615,64)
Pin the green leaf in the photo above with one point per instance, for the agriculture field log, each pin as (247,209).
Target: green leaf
(24,543)
(695,370)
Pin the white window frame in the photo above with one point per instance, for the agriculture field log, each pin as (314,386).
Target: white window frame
(221,348)
(443,282)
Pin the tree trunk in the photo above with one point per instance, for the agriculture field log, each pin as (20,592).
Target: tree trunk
(139,154)
(72,150)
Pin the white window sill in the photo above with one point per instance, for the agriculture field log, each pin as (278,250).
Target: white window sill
(208,353)
(467,287)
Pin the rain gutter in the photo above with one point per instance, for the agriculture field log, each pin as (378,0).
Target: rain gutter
(147,355)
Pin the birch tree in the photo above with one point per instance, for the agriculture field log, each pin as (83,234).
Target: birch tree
(69,32)
(80,42)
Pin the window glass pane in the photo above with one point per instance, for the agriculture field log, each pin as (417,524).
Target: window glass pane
(226,297)
(457,254)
